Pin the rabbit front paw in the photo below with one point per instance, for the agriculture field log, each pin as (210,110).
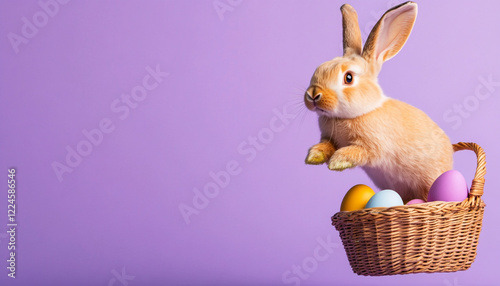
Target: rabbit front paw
(320,153)
(348,157)
(340,165)
(316,157)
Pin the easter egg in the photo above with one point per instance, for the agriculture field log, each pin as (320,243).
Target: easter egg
(449,187)
(356,198)
(415,201)
(385,198)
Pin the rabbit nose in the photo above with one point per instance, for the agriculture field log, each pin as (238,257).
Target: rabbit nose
(314,98)
(317,97)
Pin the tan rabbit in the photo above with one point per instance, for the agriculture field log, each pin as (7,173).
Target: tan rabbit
(398,145)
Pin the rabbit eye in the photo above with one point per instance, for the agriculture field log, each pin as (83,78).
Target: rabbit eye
(348,78)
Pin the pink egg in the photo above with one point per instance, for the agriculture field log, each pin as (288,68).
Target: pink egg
(415,201)
(449,187)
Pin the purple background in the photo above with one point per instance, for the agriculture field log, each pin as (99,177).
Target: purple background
(120,207)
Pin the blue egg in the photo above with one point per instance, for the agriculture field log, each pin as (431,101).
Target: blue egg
(386,199)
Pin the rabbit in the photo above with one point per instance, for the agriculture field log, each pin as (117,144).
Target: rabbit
(397,145)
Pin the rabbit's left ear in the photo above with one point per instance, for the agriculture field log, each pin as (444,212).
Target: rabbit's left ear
(390,33)
(351,31)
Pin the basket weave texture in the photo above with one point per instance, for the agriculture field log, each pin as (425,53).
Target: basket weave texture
(430,237)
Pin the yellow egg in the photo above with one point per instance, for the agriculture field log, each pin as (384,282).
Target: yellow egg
(356,198)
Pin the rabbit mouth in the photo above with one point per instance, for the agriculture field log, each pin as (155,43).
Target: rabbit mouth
(320,110)
(323,112)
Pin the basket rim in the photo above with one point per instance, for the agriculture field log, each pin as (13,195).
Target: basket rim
(391,210)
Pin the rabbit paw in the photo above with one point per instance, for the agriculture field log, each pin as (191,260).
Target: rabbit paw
(316,157)
(340,165)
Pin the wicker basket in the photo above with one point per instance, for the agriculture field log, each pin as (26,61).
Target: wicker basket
(430,237)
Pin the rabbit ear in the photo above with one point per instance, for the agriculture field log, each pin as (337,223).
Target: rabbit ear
(390,33)
(351,31)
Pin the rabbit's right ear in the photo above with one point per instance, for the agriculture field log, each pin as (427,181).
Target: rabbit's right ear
(390,33)
(351,31)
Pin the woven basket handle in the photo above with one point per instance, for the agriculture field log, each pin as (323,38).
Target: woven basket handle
(477,187)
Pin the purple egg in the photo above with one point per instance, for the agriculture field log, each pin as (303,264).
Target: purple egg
(449,187)
(415,201)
